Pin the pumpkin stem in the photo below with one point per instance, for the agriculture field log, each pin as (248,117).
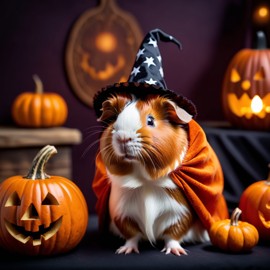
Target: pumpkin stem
(235,216)
(261,43)
(37,168)
(38,83)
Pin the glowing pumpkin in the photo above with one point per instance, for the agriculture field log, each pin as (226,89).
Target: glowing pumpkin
(41,214)
(255,204)
(246,88)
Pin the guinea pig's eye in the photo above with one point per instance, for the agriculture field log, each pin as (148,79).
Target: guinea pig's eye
(150,121)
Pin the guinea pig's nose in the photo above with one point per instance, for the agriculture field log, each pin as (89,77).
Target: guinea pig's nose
(123,139)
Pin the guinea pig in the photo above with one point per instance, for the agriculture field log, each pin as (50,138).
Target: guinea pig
(145,140)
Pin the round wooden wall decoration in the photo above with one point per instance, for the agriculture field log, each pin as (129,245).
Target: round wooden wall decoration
(101,49)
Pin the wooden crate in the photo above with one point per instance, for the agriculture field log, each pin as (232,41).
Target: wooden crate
(19,146)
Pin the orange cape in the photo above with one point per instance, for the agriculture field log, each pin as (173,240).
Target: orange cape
(200,178)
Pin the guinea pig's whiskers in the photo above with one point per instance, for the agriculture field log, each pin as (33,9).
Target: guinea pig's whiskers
(87,149)
(154,155)
(147,157)
(90,134)
(107,153)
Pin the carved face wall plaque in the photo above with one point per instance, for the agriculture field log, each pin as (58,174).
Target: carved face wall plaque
(101,49)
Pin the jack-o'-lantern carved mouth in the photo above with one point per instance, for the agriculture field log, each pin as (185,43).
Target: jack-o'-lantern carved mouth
(245,106)
(265,223)
(22,235)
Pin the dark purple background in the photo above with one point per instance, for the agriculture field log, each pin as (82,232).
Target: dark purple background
(33,36)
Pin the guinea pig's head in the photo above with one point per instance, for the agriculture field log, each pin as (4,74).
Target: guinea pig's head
(149,131)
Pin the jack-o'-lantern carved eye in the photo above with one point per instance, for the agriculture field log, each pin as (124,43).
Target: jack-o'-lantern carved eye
(50,200)
(259,75)
(235,76)
(13,200)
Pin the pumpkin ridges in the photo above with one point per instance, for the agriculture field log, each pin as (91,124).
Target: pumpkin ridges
(69,221)
(221,236)
(20,109)
(60,108)
(57,107)
(235,238)
(250,234)
(235,235)
(47,111)
(34,110)
(69,185)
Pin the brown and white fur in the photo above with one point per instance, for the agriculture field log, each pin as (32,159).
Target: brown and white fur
(142,144)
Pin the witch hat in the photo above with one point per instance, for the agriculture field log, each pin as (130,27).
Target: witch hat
(146,77)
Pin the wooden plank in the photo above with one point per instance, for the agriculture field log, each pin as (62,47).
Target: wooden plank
(15,137)
(18,161)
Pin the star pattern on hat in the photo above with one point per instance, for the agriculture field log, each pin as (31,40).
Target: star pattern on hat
(135,71)
(148,67)
(149,61)
(161,72)
(151,81)
(152,42)
(140,52)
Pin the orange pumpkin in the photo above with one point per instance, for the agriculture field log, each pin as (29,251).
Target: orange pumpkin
(41,214)
(233,235)
(39,109)
(255,204)
(245,91)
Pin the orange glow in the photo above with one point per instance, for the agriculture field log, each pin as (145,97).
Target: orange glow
(261,14)
(235,77)
(106,42)
(245,84)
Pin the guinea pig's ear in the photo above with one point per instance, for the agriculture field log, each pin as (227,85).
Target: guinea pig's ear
(175,114)
(112,107)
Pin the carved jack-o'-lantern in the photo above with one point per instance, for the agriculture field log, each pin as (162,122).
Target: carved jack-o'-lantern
(255,206)
(41,214)
(246,88)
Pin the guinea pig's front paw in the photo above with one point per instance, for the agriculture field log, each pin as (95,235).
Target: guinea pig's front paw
(173,246)
(130,246)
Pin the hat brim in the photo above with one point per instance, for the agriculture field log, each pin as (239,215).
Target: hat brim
(141,91)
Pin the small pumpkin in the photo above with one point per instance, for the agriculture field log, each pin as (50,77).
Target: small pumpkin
(255,204)
(39,109)
(41,214)
(233,235)
(246,84)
